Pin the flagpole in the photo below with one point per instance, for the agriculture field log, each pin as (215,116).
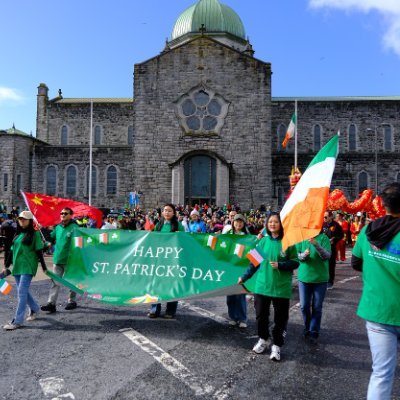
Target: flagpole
(90,152)
(295,136)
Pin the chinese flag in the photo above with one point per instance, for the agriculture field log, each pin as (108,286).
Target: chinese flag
(46,209)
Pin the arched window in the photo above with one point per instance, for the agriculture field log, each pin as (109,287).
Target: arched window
(131,136)
(352,138)
(94,180)
(97,135)
(363,179)
(71,181)
(387,132)
(112,180)
(317,138)
(64,135)
(51,180)
(281,135)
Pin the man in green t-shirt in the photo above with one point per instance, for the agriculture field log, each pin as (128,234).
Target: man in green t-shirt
(61,236)
(377,255)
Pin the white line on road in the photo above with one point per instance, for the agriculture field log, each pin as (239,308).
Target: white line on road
(205,313)
(198,385)
(53,387)
(349,279)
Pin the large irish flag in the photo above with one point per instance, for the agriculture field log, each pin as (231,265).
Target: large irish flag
(303,213)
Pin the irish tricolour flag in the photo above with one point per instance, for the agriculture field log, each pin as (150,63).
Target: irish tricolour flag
(5,287)
(290,130)
(303,213)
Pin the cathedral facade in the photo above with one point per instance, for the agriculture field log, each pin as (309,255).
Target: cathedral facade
(201,126)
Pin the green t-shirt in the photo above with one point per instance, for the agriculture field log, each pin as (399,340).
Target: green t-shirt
(166,228)
(380,298)
(62,236)
(25,259)
(314,269)
(270,281)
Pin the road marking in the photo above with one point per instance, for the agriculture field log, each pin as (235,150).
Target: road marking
(198,385)
(53,387)
(205,313)
(349,279)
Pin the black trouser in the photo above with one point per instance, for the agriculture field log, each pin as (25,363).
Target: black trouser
(281,316)
(332,265)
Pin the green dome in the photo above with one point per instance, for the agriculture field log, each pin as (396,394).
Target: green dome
(215,17)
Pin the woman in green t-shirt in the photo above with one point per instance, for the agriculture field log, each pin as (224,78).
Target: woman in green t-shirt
(27,251)
(273,286)
(168,223)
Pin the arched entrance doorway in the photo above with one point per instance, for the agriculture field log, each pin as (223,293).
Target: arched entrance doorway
(200,180)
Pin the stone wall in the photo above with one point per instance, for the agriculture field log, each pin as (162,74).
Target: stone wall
(242,81)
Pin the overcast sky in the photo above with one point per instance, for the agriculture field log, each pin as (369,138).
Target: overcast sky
(88,48)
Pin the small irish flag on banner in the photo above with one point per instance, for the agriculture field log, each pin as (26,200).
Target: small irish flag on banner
(239,249)
(78,241)
(211,242)
(103,238)
(5,287)
(255,257)
(290,130)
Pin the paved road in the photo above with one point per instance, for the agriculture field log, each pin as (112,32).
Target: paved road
(116,353)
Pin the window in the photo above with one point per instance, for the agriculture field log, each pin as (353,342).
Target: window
(398,177)
(51,180)
(131,135)
(352,138)
(71,181)
(387,132)
(362,181)
(317,138)
(5,182)
(202,111)
(281,136)
(112,180)
(97,135)
(64,135)
(94,180)
(19,184)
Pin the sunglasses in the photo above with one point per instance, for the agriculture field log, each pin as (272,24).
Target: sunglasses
(64,213)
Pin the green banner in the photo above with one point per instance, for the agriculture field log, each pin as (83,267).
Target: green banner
(135,267)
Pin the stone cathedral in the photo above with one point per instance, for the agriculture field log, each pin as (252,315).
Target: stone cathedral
(202,125)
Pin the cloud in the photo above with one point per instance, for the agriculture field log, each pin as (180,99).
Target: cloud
(389,9)
(9,95)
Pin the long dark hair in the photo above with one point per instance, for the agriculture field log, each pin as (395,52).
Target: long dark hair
(174,220)
(28,233)
(275,214)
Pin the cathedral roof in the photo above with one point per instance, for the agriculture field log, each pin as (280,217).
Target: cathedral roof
(15,131)
(211,16)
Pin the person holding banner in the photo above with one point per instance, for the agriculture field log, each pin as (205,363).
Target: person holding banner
(26,252)
(167,224)
(273,285)
(61,236)
(237,305)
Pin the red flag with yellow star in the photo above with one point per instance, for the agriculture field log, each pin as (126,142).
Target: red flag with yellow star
(46,209)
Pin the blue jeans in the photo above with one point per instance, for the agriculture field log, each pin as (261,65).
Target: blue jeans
(383,342)
(24,298)
(237,307)
(311,300)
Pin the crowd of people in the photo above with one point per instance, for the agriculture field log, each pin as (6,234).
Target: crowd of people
(376,252)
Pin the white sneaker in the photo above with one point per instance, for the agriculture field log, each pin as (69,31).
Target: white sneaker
(260,346)
(275,353)
(242,324)
(232,322)
(32,316)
